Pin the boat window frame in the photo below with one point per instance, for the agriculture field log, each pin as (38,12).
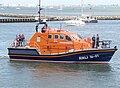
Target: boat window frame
(62,36)
(68,37)
(49,35)
(57,37)
(79,36)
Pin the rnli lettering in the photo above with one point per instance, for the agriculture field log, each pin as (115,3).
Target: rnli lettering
(83,57)
(89,56)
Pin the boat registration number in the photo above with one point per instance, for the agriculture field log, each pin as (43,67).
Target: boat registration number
(88,57)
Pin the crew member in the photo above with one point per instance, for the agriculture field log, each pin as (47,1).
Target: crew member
(93,41)
(97,41)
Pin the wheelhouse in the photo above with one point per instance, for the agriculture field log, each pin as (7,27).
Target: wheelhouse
(58,41)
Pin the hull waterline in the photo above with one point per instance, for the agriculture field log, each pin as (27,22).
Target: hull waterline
(83,56)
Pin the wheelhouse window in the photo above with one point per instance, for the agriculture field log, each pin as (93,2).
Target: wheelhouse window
(56,36)
(79,36)
(50,36)
(68,38)
(62,36)
(76,37)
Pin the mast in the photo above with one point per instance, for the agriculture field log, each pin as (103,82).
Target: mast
(81,7)
(39,18)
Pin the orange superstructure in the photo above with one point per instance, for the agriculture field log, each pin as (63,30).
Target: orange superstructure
(54,41)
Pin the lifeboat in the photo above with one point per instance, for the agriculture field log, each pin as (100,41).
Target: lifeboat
(54,45)
(59,46)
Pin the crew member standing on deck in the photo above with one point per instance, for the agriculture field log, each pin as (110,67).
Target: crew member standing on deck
(23,39)
(20,40)
(97,41)
(93,41)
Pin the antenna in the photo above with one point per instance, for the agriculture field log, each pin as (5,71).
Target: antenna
(39,18)
(81,7)
(60,26)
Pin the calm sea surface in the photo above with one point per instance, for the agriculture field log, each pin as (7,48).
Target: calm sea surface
(64,10)
(50,75)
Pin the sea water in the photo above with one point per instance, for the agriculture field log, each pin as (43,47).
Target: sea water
(100,10)
(50,75)
(16,74)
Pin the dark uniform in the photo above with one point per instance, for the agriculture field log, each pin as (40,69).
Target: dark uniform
(93,42)
(97,41)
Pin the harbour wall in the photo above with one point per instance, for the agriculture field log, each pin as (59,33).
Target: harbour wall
(8,20)
(29,18)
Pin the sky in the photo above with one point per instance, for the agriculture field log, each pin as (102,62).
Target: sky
(61,2)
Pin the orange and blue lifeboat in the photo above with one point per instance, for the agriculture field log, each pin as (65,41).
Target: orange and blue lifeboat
(53,45)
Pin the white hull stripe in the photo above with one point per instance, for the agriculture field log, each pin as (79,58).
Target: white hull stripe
(89,62)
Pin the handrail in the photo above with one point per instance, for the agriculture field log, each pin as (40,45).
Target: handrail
(38,47)
(35,44)
(16,43)
(105,43)
(44,38)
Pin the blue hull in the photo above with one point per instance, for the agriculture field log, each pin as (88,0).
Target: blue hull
(84,56)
